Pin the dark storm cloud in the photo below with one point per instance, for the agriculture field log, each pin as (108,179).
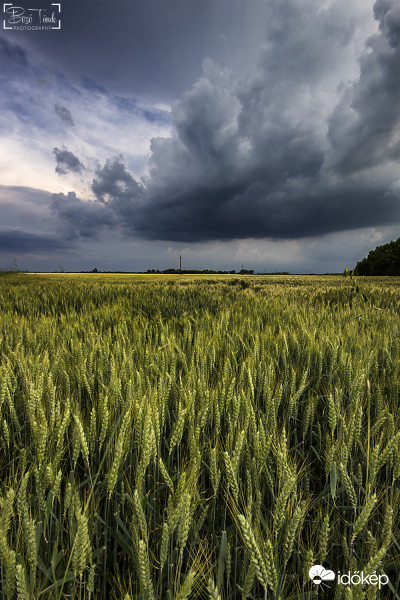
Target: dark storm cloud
(364,128)
(80,218)
(67,162)
(114,183)
(64,114)
(254,156)
(255,213)
(24,242)
(118,197)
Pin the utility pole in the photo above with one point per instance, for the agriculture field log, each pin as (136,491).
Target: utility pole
(180,264)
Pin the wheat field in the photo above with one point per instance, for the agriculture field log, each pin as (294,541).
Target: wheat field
(183,437)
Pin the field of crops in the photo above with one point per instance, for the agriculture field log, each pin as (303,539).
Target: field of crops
(166,437)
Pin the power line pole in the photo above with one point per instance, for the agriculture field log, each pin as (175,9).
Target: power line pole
(180,264)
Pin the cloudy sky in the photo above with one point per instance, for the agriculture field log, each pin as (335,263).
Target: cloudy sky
(262,133)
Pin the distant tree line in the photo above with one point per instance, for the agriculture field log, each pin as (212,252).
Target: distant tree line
(384,260)
(200,271)
(192,271)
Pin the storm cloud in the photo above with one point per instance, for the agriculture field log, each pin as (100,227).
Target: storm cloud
(278,155)
(115,184)
(365,126)
(67,162)
(81,218)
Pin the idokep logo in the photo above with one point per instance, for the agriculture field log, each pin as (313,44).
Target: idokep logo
(37,18)
(321,576)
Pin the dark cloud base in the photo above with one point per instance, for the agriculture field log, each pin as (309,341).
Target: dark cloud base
(302,217)
(233,212)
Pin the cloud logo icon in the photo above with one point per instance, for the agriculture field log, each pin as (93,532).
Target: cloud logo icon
(320,576)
